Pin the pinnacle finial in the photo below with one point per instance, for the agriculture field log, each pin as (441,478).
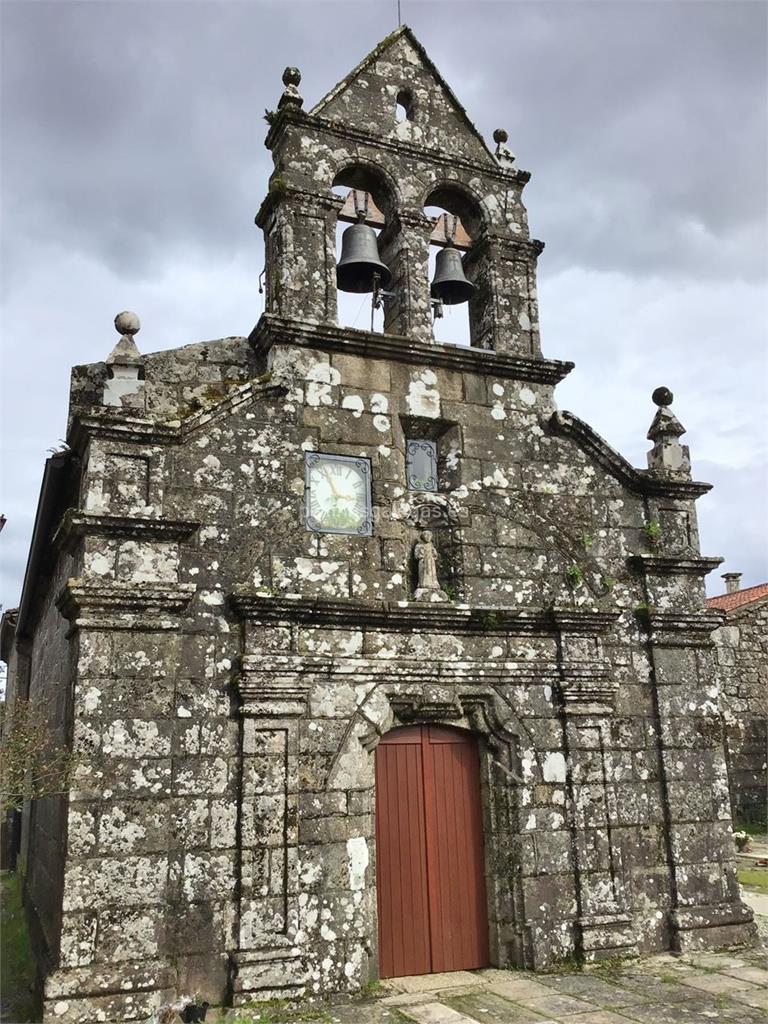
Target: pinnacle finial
(503,154)
(127,323)
(124,386)
(662,396)
(291,96)
(667,457)
(665,424)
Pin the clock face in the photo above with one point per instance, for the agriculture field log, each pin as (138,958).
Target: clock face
(338,494)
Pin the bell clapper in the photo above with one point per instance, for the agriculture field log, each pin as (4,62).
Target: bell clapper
(437,309)
(378,295)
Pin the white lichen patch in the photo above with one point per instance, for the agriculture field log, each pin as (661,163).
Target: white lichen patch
(423,398)
(357,852)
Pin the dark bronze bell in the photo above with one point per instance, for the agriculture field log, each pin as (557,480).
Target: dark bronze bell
(360,261)
(449,283)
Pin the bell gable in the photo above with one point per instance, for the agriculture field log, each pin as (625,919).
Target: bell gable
(398,72)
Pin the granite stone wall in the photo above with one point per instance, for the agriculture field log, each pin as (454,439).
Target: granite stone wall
(742,663)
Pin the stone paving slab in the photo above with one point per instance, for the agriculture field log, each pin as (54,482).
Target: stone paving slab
(703,988)
(650,988)
(757,998)
(492,1009)
(717,983)
(558,1006)
(518,988)
(598,1017)
(438,982)
(758,975)
(594,989)
(437,1013)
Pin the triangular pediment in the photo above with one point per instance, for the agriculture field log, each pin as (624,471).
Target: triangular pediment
(367,97)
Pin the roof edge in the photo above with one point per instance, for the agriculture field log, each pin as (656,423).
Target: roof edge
(637,480)
(54,475)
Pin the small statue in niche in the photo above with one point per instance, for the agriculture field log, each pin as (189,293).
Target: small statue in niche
(425,553)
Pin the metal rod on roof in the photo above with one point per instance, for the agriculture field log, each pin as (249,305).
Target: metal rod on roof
(399,19)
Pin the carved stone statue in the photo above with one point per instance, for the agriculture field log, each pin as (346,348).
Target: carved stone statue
(425,553)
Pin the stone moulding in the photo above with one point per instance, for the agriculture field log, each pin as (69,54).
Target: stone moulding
(590,695)
(676,629)
(76,524)
(349,133)
(637,480)
(668,565)
(272,329)
(107,425)
(111,426)
(410,616)
(277,684)
(143,606)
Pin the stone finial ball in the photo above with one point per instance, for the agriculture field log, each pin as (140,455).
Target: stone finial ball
(500,136)
(291,76)
(127,323)
(662,396)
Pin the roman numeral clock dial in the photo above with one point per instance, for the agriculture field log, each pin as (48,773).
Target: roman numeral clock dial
(338,494)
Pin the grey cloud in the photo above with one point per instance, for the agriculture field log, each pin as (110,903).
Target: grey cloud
(133,159)
(136,125)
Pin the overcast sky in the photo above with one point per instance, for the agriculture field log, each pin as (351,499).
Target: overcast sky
(133,163)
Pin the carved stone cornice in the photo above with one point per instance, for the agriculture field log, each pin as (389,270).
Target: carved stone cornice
(637,480)
(76,523)
(589,695)
(145,606)
(586,621)
(412,615)
(114,425)
(672,565)
(272,329)
(527,249)
(288,667)
(680,629)
(303,198)
(352,134)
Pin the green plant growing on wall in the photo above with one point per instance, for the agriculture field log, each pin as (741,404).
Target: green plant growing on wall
(277,185)
(586,540)
(609,582)
(644,611)
(31,764)
(574,575)
(652,532)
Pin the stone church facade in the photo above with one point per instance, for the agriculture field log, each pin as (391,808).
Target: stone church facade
(229,659)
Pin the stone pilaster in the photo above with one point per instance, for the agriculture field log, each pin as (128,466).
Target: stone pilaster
(404,247)
(300,247)
(267,961)
(706,908)
(503,312)
(588,695)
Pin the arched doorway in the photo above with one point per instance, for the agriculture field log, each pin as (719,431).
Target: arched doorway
(430,870)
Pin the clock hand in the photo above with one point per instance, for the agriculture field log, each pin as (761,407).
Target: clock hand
(329,478)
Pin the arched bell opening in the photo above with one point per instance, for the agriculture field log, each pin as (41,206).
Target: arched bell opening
(362,276)
(458,222)
(450,290)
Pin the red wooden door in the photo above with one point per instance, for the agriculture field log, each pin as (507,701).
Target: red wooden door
(429,852)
